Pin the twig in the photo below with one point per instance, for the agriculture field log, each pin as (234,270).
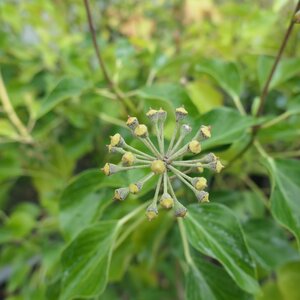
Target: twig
(278,57)
(106,75)
(265,90)
(12,115)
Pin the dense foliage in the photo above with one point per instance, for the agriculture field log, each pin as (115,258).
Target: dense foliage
(62,236)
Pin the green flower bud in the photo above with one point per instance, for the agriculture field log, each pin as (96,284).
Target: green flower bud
(132,122)
(200,183)
(215,166)
(134,188)
(179,210)
(205,131)
(185,129)
(141,131)
(128,159)
(158,166)
(121,194)
(194,147)
(180,113)
(151,212)
(210,157)
(110,169)
(162,115)
(202,196)
(116,140)
(153,115)
(166,201)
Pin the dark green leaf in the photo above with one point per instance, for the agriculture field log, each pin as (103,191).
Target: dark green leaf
(206,280)
(86,261)
(214,230)
(276,252)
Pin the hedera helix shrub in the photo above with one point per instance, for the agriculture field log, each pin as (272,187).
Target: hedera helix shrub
(70,231)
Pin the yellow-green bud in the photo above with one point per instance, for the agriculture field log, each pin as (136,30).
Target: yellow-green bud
(128,159)
(194,146)
(202,196)
(205,131)
(199,183)
(162,115)
(110,169)
(153,114)
(166,201)
(158,166)
(151,212)
(199,167)
(180,113)
(179,210)
(132,122)
(210,157)
(141,131)
(134,188)
(116,140)
(216,166)
(121,194)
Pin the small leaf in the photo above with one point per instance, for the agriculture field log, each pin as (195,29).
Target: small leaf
(65,89)
(206,280)
(285,201)
(86,261)
(225,73)
(214,230)
(276,252)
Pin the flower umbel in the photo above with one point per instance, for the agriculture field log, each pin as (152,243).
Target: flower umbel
(163,161)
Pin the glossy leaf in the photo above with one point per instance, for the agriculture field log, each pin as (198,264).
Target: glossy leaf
(285,201)
(214,230)
(206,280)
(276,252)
(80,203)
(86,261)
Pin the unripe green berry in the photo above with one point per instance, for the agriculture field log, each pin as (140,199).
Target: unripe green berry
(158,166)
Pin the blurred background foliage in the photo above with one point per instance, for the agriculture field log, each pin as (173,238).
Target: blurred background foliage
(207,55)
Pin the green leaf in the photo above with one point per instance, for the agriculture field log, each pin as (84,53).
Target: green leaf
(285,201)
(206,280)
(227,126)
(225,73)
(214,230)
(80,204)
(276,252)
(86,261)
(65,89)
(204,95)
(286,69)
(173,94)
(7,130)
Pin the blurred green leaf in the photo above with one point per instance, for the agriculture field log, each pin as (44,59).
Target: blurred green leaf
(214,230)
(65,89)
(205,280)
(286,69)
(204,95)
(86,261)
(174,94)
(225,73)
(276,252)
(7,130)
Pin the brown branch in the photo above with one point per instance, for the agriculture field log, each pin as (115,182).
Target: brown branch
(265,90)
(277,59)
(111,83)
